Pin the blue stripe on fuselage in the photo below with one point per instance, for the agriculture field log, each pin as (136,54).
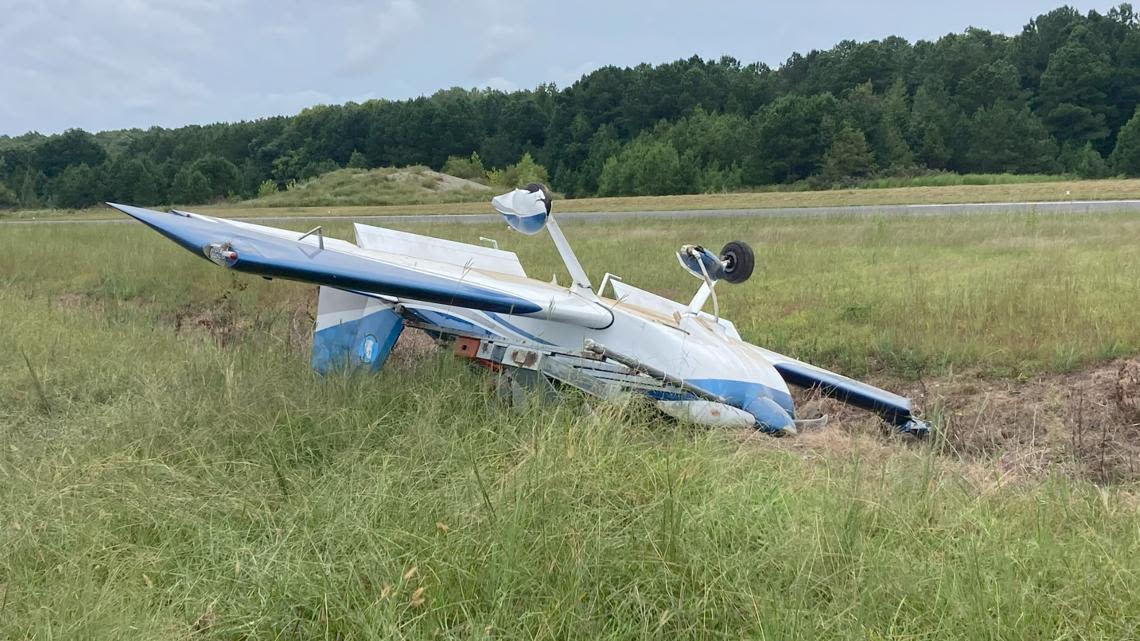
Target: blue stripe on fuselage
(736,393)
(447,322)
(514,328)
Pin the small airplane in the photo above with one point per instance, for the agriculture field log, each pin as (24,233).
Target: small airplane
(691,364)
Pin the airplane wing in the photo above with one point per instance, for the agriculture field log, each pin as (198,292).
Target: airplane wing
(279,253)
(895,409)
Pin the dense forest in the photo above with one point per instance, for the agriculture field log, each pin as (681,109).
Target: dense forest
(1061,96)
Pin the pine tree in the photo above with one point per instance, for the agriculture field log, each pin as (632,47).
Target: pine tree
(29,195)
(8,197)
(1090,164)
(987,85)
(1004,138)
(895,151)
(1125,158)
(357,161)
(77,186)
(190,187)
(932,120)
(849,155)
(1074,94)
(933,151)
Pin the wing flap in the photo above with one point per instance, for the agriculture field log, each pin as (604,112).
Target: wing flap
(439,250)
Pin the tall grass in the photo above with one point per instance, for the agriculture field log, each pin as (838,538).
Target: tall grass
(157,483)
(179,489)
(1006,295)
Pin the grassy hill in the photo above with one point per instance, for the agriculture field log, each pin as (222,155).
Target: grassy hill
(383,186)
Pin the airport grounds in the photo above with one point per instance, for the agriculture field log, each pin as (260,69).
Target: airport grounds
(170,468)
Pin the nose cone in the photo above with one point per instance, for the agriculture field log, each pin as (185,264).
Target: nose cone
(770,417)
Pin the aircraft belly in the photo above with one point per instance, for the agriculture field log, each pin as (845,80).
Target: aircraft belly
(707,413)
(700,356)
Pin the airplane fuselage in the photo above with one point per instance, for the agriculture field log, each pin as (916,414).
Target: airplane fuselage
(693,347)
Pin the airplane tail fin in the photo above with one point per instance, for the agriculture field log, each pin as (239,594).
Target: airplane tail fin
(353,331)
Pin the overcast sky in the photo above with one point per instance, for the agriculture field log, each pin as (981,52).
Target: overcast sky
(108,64)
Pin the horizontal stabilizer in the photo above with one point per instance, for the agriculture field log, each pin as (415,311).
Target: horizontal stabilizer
(896,410)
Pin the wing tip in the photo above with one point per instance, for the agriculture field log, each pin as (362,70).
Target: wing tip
(131,210)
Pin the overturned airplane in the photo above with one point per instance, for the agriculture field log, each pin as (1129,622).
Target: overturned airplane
(692,364)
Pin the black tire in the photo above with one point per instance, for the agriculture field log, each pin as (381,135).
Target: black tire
(739,261)
(533,187)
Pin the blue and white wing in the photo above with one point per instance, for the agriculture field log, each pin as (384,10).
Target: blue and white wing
(470,281)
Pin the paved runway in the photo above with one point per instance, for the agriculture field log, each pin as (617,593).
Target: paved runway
(1063,207)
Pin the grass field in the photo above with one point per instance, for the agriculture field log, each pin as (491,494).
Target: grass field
(995,191)
(169,468)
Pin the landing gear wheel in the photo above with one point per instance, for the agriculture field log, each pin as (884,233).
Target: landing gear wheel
(739,261)
(533,187)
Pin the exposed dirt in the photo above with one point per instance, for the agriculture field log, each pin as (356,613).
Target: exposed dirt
(220,319)
(1128,390)
(1084,424)
(413,344)
(226,324)
(435,180)
(73,300)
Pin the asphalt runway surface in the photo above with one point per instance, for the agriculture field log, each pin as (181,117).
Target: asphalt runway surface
(1052,208)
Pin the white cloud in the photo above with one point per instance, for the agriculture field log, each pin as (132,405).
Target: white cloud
(135,63)
(374,35)
(81,60)
(504,31)
(500,83)
(500,41)
(566,76)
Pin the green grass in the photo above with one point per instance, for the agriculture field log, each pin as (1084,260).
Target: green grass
(158,484)
(1008,295)
(949,179)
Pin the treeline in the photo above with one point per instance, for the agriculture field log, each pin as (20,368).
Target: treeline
(1060,97)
